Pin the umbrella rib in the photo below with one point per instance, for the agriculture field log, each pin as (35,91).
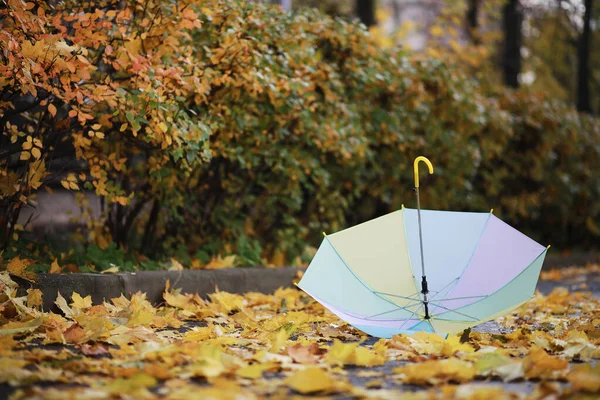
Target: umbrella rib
(391,311)
(414,312)
(454,311)
(461,298)
(411,297)
(440,291)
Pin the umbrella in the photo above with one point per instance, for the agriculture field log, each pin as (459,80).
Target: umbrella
(423,270)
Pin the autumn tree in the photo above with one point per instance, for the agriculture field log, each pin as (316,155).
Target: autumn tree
(99,89)
(583,61)
(512,20)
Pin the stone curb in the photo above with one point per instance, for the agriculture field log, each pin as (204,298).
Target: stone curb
(104,287)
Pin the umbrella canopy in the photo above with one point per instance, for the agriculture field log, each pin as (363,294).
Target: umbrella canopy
(478,268)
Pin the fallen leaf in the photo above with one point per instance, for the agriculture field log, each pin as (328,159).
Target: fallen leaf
(80,302)
(55,268)
(539,364)
(18,267)
(63,306)
(304,354)
(495,364)
(310,380)
(15,327)
(255,370)
(74,334)
(585,378)
(96,349)
(434,372)
(112,270)
(34,298)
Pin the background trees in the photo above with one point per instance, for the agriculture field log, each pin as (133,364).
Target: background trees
(216,131)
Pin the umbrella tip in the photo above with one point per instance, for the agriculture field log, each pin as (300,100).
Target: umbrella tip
(403,206)
(324,234)
(492,211)
(548,246)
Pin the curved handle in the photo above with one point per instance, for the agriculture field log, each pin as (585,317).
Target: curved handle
(416,167)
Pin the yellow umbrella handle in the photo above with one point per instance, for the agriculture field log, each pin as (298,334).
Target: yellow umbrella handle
(416,167)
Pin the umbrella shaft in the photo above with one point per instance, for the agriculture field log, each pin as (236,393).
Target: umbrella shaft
(420,233)
(424,288)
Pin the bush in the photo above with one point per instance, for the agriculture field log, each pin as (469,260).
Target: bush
(215,127)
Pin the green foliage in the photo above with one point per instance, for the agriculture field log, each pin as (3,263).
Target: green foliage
(313,128)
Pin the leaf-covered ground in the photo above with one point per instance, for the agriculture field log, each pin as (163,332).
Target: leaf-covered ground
(285,345)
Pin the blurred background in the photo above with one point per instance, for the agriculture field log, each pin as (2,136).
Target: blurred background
(549,45)
(142,134)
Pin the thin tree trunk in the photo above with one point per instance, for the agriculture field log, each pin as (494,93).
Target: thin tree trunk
(583,62)
(512,20)
(473,20)
(365,10)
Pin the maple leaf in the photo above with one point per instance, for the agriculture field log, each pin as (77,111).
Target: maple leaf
(539,364)
(94,350)
(80,302)
(304,354)
(255,370)
(310,380)
(15,327)
(221,262)
(340,354)
(75,334)
(137,385)
(585,378)
(55,268)
(63,306)
(34,298)
(227,302)
(18,267)
(433,372)
(499,365)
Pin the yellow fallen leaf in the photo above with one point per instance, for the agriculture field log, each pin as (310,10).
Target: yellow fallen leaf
(221,262)
(495,364)
(278,340)
(112,270)
(207,368)
(55,268)
(64,307)
(310,380)
(255,370)
(18,267)
(135,386)
(227,302)
(340,354)
(175,265)
(80,302)
(34,297)
(540,364)
(140,317)
(433,372)
(14,327)
(585,378)
(199,334)
(452,345)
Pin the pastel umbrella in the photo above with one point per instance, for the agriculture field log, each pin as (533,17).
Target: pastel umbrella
(422,270)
